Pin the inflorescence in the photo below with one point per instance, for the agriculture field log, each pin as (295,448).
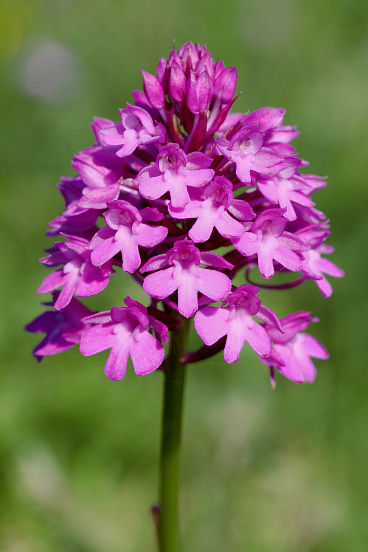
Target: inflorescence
(176,179)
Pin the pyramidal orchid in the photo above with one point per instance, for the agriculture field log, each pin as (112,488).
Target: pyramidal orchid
(183,194)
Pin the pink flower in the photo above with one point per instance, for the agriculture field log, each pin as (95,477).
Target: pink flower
(235,321)
(186,276)
(292,351)
(124,330)
(268,240)
(211,208)
(246,150)
(136,128)
(63,329)
(174,172)
(124,232)
(78,275)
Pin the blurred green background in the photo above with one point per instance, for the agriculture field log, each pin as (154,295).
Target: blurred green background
(262,471)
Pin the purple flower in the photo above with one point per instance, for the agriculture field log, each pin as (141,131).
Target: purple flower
(63,329)
(189,194)
(186,276)
(211,211)
(235,321)
(124,232)
(246,150)
(292,351)
(78,275)
(268,240)
(136,128)
(124,330)
(174,172)
(286,188)
(314,266)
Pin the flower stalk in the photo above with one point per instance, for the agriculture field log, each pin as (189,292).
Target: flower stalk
(172,414)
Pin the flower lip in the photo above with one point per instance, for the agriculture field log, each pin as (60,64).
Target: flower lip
(245,298)
(220,190)
(171,158)
(185,253)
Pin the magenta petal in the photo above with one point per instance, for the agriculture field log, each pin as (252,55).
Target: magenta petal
(96,339)
(147,353)
(212,283)
(314,347)
(160,284)
(188,296)
(258,339)
(148,236)
(91,281)
(228,227)
(234,342)
(202,228)
(104,251)
(52,281)
(287,258)
(153,187)
(66,294)
(265,263)
(115,367)
(211,324)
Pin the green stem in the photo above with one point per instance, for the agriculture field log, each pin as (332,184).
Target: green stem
(174,381)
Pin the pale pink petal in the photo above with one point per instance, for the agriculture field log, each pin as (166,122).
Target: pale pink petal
(199,177)
(330,268)
(66,294)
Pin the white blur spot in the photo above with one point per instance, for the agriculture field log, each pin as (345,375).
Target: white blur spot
(49,71)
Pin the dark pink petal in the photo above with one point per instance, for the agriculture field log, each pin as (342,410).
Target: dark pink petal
(241,210)
(66,294)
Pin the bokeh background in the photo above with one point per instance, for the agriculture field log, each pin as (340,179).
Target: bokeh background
(262,471)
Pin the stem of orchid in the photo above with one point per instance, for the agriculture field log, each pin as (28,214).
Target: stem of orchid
(172,413)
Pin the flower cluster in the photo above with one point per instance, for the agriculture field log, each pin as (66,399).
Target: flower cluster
(182,194)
